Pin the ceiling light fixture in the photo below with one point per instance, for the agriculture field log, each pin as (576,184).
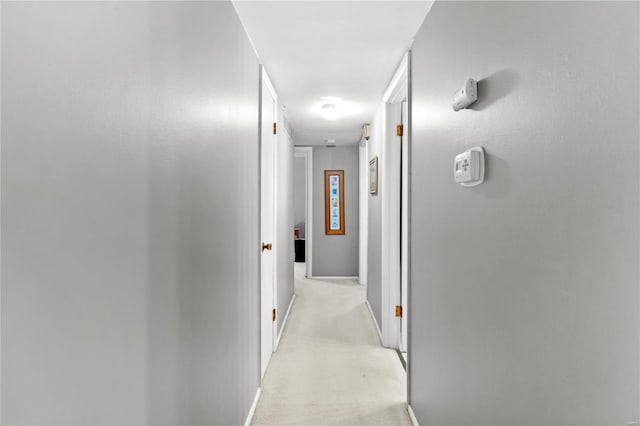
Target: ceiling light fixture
(330,111)
(333,108)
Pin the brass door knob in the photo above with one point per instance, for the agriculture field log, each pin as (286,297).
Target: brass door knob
(267,246)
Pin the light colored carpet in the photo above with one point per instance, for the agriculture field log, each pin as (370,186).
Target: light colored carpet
(330,368)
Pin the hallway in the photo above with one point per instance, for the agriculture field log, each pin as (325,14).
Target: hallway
(330,367)
(462,179)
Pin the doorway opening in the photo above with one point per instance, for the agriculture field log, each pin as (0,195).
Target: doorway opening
(303,156)
(395,218)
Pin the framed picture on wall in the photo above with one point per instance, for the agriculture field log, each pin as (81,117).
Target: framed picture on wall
(373,175)
(334,202)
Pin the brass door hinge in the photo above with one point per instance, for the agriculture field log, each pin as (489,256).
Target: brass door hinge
(273,316)
(400,130)
(275,128)
(398,311)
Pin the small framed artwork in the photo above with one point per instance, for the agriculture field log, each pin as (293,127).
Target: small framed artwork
(334,202)
(373,175)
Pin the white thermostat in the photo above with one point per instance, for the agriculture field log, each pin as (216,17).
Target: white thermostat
(465,96)
(468,167)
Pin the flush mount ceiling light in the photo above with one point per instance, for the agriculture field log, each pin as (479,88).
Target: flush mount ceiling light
(333,108)
(330,111)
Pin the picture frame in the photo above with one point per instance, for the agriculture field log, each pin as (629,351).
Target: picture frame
(373,175)
(334,202)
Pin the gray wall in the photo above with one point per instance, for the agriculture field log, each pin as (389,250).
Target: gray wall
(284,219)
(129,214)
(525,296)
(335,255)
(374,219)
(299,194)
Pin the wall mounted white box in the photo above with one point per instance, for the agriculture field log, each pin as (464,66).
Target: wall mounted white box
(468,167)
(465,96)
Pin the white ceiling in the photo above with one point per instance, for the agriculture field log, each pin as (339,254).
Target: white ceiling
(345,49)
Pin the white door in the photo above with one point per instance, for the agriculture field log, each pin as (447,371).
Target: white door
(404,225)
(267,223)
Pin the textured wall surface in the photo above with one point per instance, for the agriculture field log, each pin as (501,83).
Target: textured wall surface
(129,214)
(525,303)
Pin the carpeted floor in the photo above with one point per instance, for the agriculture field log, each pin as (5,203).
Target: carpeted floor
(330,367)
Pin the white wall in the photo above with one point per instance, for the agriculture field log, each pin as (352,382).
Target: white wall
(336,255)
(284,219)
(524,289)
(129,214)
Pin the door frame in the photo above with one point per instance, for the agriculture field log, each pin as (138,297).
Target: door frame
(306,152)
(0,227)
(397,91)
(404,229)
(265,83)
(409,166)
(363,195)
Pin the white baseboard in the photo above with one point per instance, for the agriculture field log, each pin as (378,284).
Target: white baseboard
(334,278)
(284,322)
(252,411)
(375,321)
(414,421)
